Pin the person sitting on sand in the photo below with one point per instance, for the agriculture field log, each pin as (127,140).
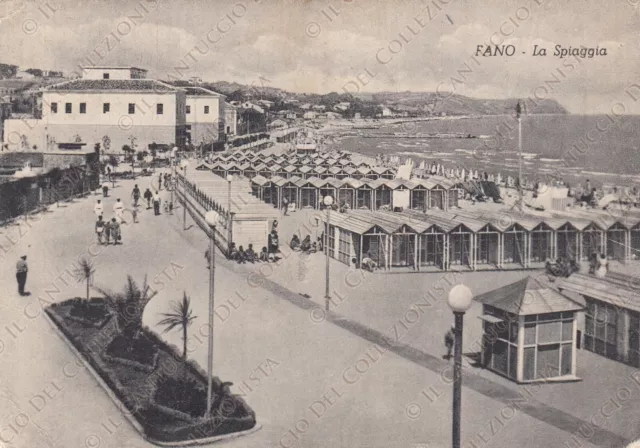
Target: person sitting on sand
(264,255)
(251,254)
(295,243)
(306,244)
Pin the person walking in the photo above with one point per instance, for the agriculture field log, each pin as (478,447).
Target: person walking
(21,274)
(105,189)
(98,209)
(156,203)
(135,194)
(115,232)
(285,206)
(107,232)
(449,338)
(118,209)
(100,229)
(148,196)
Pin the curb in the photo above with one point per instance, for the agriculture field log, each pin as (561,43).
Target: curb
(116,401)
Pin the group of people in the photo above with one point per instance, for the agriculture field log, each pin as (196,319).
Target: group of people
(110,230)
(305,245)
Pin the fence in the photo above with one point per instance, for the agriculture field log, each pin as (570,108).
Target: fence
(197,204)
(26,195)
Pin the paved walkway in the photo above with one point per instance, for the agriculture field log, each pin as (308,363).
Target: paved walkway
(312,382)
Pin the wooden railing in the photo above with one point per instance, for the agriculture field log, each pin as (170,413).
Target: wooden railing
(197,204)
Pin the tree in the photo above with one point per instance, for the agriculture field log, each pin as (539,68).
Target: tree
(128,307)
(113,162)
(34,71)
(181,317)
(84,273)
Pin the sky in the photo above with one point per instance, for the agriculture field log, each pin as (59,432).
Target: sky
(344,45)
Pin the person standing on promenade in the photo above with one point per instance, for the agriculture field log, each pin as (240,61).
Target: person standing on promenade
(105,189)
(449,338)
(156,203)
(98,209)
(285,206)
(136,195)
(100,229)
(148,196)
(21,274)
(118,209)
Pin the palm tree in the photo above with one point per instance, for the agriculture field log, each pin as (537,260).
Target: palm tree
(180,317)
(128,306)
(84,273)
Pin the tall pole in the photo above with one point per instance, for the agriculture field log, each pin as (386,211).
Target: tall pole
(212,276)
(184,200)
(173,182)
(457,380)
(520,191)
(327,297)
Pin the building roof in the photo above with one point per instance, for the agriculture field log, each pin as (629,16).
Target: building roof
(615,288)
(527,297)
(112,67)
(200,91)
(123,85)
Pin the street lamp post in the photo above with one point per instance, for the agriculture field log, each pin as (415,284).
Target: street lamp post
(184,164)
(459,299)
(212,218)
(328,202)
(173,176)
(230,219)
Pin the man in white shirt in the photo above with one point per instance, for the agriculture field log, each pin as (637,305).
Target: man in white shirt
(98,208)
(118,208)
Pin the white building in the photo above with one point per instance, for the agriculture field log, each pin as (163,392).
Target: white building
(310,115)
(205,115)
(342,106)
(108,101)
(386,112)
(113,73)
(230,119)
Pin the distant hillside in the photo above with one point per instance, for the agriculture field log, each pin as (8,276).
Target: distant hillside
(431,102)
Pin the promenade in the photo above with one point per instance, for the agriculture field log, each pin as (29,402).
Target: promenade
(314,379)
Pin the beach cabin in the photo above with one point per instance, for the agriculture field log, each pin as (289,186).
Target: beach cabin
(419,196)
(265,189)
(617,241)
(529,332)
(364,194)
(612,314)
(288,190)
(320,172)
(305,171)
(308,193)
(592,241)
(383,194)
(290,170)
(346,194)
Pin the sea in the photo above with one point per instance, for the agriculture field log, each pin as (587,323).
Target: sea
(602,148)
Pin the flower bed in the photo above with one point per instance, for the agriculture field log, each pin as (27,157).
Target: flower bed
(170,419)
(142,354)
(93,313)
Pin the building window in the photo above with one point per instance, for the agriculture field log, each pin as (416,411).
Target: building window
(83,108)
(106,107)
(132,108)
(67,108)
(601,329)
(188,128)
(548,345)
(332,241)
(206,109)
(54,108)
(344,246)
(188,109)
(159,109)
(105,76)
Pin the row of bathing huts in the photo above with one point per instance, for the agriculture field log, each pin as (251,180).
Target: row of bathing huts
(337,165)
(475,240)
